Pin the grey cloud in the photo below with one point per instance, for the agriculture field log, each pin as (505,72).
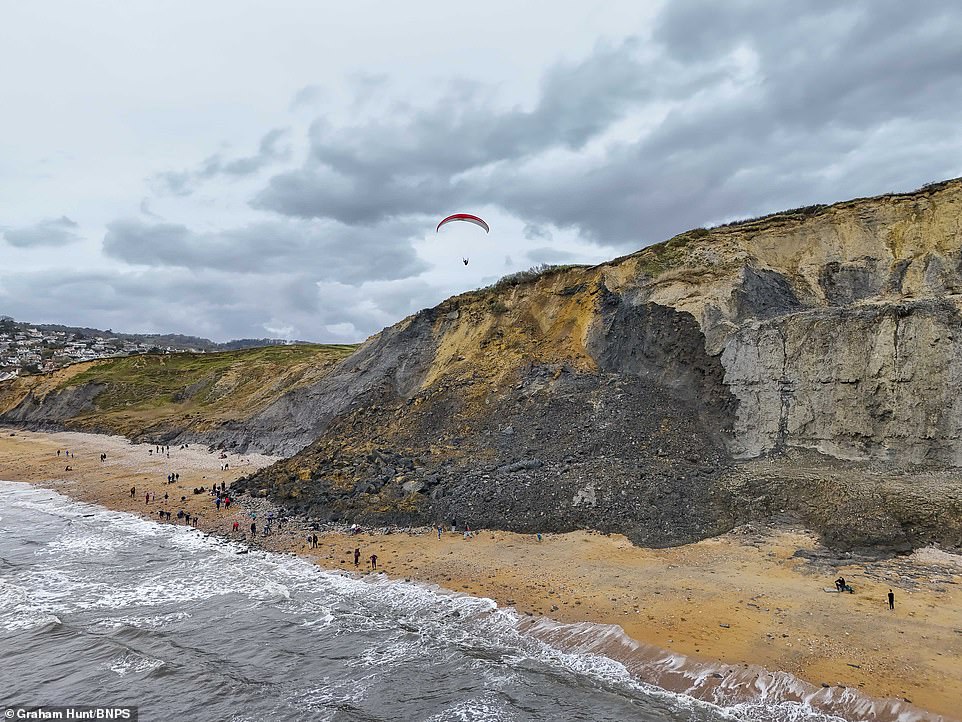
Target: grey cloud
(534,232)
(325,249)
(145,209)
(307,96)
(213,304)
(550,256)
(770,105)
(173,183)
(410,164)
(51,232)
(271,149)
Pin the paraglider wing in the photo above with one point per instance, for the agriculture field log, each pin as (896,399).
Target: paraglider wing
(467,218)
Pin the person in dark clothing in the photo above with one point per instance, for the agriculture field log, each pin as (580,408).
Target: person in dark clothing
(253,528)
(357,557)
(891,599)
(374,561)
(314,541)
(133,491)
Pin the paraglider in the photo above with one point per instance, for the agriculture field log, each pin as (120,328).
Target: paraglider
(467,218)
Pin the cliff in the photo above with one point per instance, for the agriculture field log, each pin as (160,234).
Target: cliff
(798,366)
(634,396)
(173,399)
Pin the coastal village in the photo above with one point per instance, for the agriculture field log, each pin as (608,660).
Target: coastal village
(26,349)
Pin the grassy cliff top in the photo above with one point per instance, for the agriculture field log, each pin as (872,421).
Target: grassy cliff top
(135,395)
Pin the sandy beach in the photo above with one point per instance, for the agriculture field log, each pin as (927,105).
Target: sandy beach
(756,596)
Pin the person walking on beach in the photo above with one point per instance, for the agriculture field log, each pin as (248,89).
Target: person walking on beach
(133,491)
(891,599)
(147,498)
(374,562)
(314,540)
(253,528)
(357,556)
(440,529)
(236,526)
(217,503)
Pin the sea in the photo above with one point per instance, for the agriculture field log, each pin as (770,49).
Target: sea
(99,607)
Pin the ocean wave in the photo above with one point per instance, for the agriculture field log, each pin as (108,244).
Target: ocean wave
(130,662)
(136,573)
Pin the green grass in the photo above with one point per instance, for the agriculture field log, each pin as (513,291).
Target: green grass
(153,381)
(666,255)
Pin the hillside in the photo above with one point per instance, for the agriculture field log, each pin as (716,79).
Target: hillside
(799,367)
(172,398)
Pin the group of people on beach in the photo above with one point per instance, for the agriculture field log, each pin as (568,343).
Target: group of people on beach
(468,534)
(842,586)
(69,455)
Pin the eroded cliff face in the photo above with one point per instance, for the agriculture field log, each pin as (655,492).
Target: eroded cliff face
(836,327)
(870,382)
(633,396)
(627,396)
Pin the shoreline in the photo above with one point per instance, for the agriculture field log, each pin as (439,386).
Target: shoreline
(747,601)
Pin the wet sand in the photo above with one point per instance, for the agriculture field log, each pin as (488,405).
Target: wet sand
(744,598)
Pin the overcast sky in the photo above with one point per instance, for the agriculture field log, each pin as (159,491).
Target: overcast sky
(236,169)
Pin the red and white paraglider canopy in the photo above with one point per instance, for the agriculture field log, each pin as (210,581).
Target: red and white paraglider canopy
(467,218)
